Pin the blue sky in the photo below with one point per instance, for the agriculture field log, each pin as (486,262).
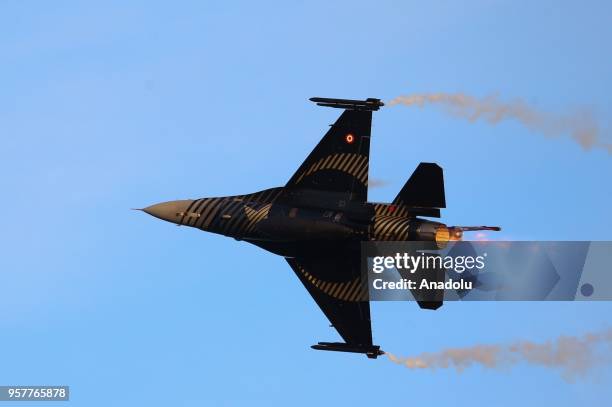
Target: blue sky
(110,106)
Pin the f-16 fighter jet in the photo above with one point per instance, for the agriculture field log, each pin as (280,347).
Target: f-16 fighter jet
(318,220)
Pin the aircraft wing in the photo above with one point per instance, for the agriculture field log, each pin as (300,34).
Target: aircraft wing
(339,163)
(337,287)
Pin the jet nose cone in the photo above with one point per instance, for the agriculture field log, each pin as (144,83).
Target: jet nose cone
(172,211)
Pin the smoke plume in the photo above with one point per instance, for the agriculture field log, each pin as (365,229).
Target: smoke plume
(580,125)
(572,356)
(376,183)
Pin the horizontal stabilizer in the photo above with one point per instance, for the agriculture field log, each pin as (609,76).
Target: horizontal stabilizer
(371,351)
(424,188)
(349,104)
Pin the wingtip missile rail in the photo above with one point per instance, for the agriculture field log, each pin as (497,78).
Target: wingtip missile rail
(349,104)
(371,352)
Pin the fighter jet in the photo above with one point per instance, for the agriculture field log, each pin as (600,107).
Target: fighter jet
(318,220)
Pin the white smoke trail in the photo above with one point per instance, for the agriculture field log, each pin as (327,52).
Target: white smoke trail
(580,125)
(573,356)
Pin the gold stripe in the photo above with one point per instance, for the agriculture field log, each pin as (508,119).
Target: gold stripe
(354,164)
(349,292)
(203,212)
(350,159)
(195,209)
(363,294)
(337,286)
(384,225)
(390,226)
(357,291)
(209,208)
(353,168)
(323,163)
(333,163)
(363,176)
(230,210)
(261,213)
(343,164)
(317,165)
(343,290)
(216,206)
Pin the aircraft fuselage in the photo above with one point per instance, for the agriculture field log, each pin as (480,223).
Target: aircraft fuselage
(312,218)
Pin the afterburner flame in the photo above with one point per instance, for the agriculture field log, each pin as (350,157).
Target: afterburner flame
(442,236)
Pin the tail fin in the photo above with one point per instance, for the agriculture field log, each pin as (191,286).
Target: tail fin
(424,188)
